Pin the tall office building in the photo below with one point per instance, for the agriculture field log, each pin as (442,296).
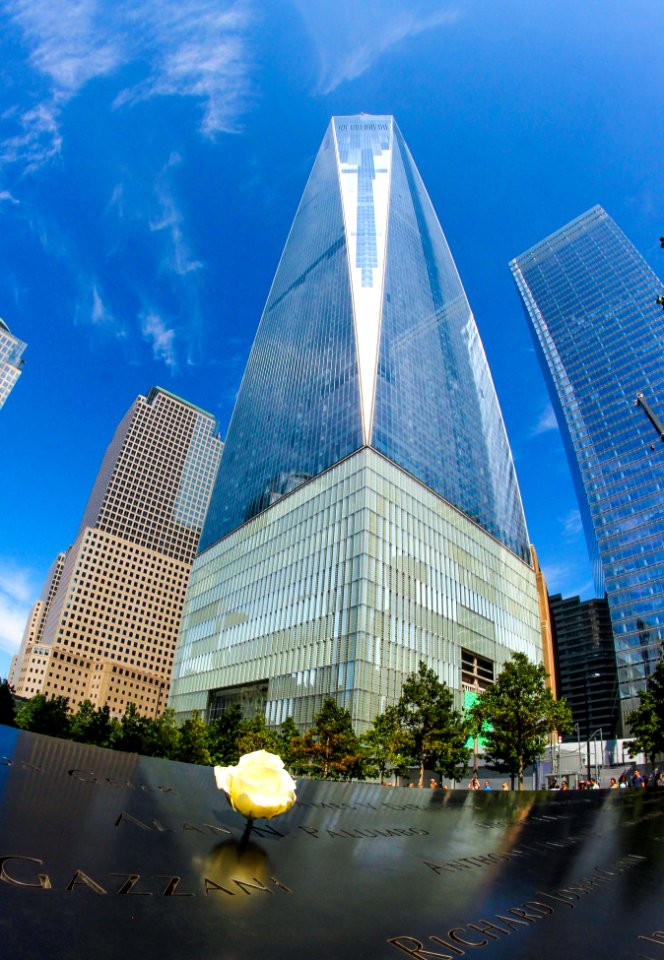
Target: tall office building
(590,298)
(11,362)
(107,622)
(28,667)
(586,664)
(366,515)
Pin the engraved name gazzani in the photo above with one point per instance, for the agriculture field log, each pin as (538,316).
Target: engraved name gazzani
(27,873)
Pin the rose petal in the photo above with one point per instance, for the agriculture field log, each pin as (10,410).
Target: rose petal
(222,775)
(261,759)
(258,786)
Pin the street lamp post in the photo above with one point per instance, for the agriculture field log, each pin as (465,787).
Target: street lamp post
(578,743)
(587,677)
(598,766)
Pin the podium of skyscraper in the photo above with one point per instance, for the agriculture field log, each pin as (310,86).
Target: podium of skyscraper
(366,515)
(591,301)
(106,624)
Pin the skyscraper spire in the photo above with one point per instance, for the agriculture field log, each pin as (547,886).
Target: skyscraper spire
(367,339)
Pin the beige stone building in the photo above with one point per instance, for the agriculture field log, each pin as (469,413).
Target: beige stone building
(108,619)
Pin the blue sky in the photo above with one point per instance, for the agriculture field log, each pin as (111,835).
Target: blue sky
(152,155)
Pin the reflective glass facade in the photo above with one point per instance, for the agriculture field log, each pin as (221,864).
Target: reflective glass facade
(436,411)
(11,362)
(366,514)
(298,409)
(586,664)
(367,338)
(340,589)
(590,298)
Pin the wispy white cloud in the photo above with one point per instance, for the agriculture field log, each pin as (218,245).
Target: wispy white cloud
(66,41)
(37,138)
(170,221)
(572,526)
(568,577)
(546,422)
(7,197)
(198,50)
(101,316)
(17,594)
(350,36)
(160,337)
(191,48)
(92,310)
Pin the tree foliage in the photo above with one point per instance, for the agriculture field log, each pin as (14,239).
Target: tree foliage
(255,734)
(132,732)
(194,742)
(7,706)
(435,732)
(91,725)
(329,750)
(224,733)
(48,715)
(288,734)
(164,736)
(521,713)
(388,746)
(646,722)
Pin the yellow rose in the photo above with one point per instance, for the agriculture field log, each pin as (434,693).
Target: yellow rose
(259,786)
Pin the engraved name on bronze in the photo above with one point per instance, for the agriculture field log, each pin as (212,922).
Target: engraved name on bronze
(364,833)
(474,934)
(656,937)
(13,872)
(479,861)
(152,824)
(89,776)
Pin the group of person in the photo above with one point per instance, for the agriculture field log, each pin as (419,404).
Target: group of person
(475,784)
(637,780)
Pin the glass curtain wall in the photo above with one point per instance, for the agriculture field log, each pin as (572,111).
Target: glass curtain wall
(590,298)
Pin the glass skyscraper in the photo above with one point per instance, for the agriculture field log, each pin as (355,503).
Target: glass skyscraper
(11,362)
(366,514)
(590,298)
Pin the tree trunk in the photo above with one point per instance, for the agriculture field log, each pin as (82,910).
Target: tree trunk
(421,783)
(520,774)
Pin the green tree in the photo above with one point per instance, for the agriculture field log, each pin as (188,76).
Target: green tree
(91,725)
(437,733)
(646,722)
(388,745)
(330,750)
(255,734)
(288,734)
(133,733)
(224,733)
(7,705)
(165,736)
(45,715)
(521,713)
(194,743)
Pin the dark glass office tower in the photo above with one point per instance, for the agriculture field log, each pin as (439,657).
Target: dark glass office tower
(586,665)
(366,514)
(590,298)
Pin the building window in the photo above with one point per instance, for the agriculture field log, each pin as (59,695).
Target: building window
(476,671)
